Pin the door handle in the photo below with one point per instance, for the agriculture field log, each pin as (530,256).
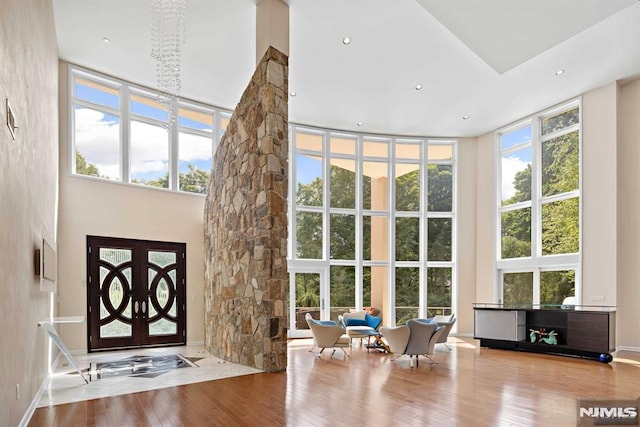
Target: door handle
(135,307)
(144,306)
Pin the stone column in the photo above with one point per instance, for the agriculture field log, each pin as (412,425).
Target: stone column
(245,223)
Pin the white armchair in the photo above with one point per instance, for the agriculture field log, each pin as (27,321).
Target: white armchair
(327,335)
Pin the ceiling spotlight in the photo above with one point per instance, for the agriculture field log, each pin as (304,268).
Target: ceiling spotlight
(106,40)
(293,93)
(346,40)
(419,86)
(559,72)
(359,124)
(465,117)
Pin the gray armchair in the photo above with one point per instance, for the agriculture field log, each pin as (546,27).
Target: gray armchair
(447,323)
(417,338)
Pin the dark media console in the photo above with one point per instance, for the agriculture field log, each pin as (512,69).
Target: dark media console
(580,331)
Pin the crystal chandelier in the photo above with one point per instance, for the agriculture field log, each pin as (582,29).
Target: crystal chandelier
(167,37)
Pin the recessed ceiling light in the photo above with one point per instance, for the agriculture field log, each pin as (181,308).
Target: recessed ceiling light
(293,93)
(559,72)
(359,124)
(106,40)
(419,86)
(465,117)
(346,40)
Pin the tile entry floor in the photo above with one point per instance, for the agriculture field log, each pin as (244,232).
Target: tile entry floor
(67,386)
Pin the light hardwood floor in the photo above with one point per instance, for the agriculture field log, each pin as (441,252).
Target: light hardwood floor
(470,386)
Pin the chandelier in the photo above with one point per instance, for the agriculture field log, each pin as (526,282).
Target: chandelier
(167,37)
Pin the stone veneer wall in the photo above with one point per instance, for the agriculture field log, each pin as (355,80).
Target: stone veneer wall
(245,225)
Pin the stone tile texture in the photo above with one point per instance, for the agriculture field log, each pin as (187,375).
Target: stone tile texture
(245,226)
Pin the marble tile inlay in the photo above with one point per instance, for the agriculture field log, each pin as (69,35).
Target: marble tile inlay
(66,385)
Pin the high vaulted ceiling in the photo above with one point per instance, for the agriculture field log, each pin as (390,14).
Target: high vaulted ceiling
(493,60)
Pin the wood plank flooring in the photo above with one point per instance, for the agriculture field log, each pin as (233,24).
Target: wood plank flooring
(470,386)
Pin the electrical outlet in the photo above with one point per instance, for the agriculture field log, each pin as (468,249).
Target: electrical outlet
(17,391)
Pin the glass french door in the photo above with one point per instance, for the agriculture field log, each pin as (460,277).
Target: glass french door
(307,294)
(136,293)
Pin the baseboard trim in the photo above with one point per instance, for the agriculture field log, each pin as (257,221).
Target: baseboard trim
(463,335)
(24,422)
(625,348)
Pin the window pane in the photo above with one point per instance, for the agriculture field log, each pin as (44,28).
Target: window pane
(516,137)
(342,289)
(224,122)
(366,286)
(408,151)
(307,298)
(408,188)
(518,288)
(438,291)
(560,121)
(343,236)
(407,239)
(307,141)
(560,225)
(516,233)
(196,119)
(440,184)
(308,180)
(97,143)
(516,176)
(194,162)
(439,152)
(560,164)
(375,238)
(439,239)
(407,294)
(309,235)
(149,155)
(375,149)
(375,185)
(555,286)
(96,92)
(343,183)
(342,146)
(148,107)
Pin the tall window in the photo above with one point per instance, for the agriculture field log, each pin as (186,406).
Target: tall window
(121,132)
(376,215)
(539,206)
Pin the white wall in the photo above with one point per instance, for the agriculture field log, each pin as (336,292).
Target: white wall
(485,219)
(610,207)
(28,185)
(466,239)
(96,207)
(599,222)
(628,316)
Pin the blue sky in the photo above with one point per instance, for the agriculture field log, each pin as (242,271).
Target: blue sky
(307,168)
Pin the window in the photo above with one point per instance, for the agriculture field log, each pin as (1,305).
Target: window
(97,125)
(539,207)
(125,133)
(375,215)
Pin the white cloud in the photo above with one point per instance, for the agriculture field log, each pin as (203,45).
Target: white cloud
(97,139)
(510,167)
(149,148)
(194,147)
